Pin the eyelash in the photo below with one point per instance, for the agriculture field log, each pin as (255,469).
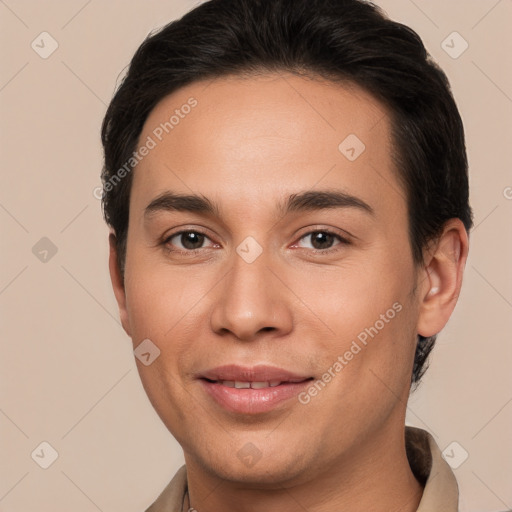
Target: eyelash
(189,252)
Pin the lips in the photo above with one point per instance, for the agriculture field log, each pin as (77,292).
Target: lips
(251,390)
(260,373)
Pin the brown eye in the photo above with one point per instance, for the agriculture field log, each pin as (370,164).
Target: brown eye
(186,241)
(192,240)
(323,240)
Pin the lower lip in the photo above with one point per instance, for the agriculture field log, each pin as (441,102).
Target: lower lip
(252,401)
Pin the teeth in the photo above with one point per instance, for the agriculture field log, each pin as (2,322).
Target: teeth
(259,385)
(246,385)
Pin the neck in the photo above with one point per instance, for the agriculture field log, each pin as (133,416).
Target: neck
(375,476)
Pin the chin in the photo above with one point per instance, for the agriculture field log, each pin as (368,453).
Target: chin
(249,466)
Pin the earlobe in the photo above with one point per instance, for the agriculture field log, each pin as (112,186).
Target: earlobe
(442,282)
(118,282)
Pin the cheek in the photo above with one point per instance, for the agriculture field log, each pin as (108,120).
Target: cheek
(368,317)
(161,309)
(378,354)
(350,297)
(160,300)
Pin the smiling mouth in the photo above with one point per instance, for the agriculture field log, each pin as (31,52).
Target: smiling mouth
(255,384)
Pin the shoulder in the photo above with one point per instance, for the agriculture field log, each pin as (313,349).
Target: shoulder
(441,491)
(171,498)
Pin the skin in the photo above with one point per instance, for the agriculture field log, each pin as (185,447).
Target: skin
(248,144)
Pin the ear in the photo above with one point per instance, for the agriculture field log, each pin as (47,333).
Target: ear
(442,278)
(118,283)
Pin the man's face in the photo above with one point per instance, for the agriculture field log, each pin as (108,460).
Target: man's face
(251,284)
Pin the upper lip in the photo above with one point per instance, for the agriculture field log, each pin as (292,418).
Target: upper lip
(259,373)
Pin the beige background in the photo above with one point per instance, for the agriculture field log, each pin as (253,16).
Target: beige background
(68,375)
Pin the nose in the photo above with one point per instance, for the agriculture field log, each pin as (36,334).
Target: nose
(251,301)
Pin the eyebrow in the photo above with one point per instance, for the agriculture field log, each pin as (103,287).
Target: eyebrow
(304,201)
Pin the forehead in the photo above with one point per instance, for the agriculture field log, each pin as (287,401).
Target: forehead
(249,139)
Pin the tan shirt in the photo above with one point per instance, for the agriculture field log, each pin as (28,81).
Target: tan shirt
(440,494)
